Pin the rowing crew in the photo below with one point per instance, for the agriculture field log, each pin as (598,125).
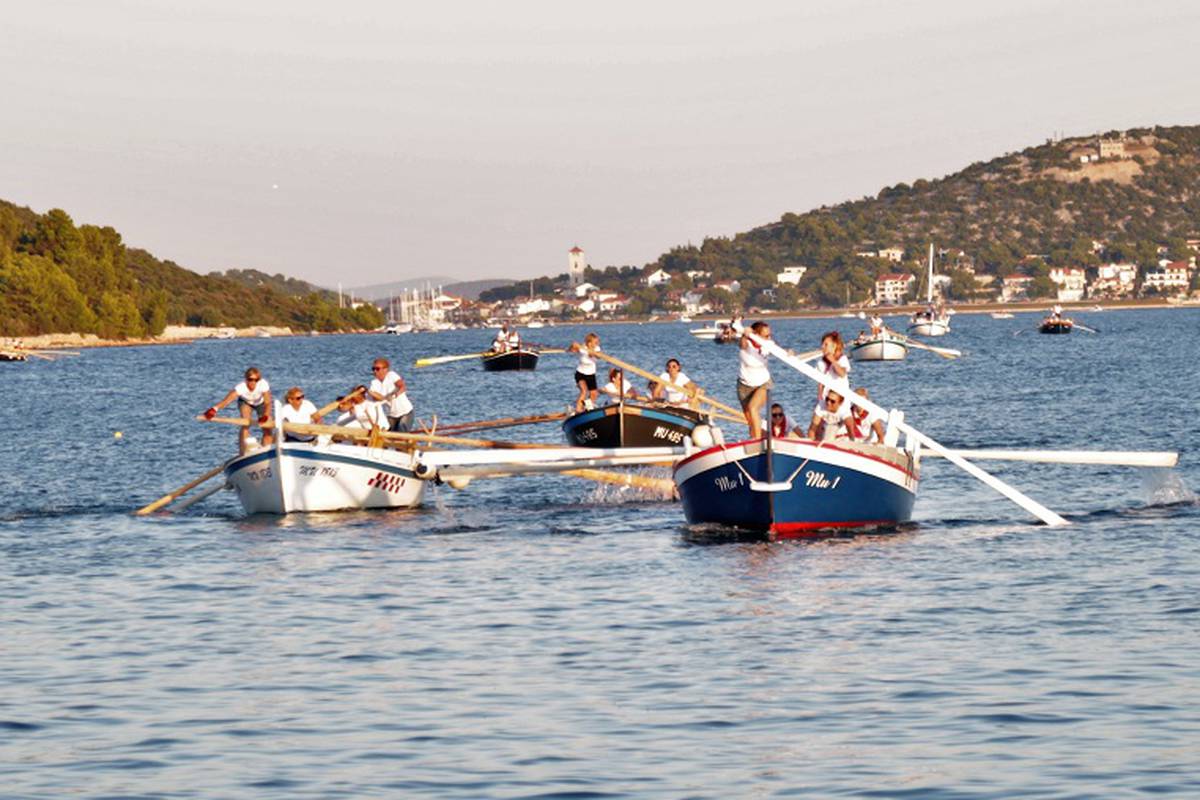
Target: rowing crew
(382,405)
(832,417)
(671,387)
(506,340)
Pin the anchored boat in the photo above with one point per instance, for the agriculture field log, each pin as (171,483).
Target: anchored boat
(933,320)
(631,425)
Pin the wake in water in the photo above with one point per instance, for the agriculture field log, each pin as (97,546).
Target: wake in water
(1164,487)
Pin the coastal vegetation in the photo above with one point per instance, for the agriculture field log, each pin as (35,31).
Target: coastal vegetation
(57,277)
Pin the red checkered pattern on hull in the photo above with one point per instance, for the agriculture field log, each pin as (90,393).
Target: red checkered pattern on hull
(387,482)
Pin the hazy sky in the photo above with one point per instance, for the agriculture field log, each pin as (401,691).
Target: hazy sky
(376,141)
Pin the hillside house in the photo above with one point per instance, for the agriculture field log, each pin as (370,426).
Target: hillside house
(1174,278)
(693,303)
(1114,280)
(584,289)
(895,254)
(1071,282)
(613,304)
(893,288)
(790,275)
(728,286)
(657,278)
(1015,287)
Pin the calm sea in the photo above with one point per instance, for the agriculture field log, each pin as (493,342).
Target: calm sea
(547,637)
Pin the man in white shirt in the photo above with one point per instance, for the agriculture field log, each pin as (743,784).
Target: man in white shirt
(617,387)
(500,343)
(830,420)
(297,409)
(253,397)
(388,388)
(669,385)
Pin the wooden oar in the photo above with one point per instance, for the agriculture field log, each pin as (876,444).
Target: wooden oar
(392,436)
(1029,504)
(187,487)
(323,410)
(690,389)
(429,362)
(1120,458)
(1085,328)
(944,352)
(506,422)
(661,485)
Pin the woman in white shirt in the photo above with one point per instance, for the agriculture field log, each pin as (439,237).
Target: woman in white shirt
(754,378)
(585,373)
(297,409)
(670,384)
(617,387)
(253,397)
(833,363)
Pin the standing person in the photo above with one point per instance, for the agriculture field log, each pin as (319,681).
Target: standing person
(297,409)
(669,385)
(617,387)
(876,324)
(253,397)
(754,378)
(388,388)
(833,362)
(585,372)
(865,426)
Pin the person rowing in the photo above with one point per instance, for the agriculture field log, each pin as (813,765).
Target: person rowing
(670,385)
(585,372)
(500,343)
(389,388)
(298,409)
(831,421)
(833,362)
(253,397)
(865,426)
(754,378)
(617,388)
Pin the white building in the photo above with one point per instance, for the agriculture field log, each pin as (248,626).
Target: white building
(696,274)
(790,275)
(535,306)
(1174,278)
(584,289)
(1016,287)
(729,286)
(693,303)
(576,264)
(893,287)
(657,278)
(1114,280)
(1071,282)
(892,254)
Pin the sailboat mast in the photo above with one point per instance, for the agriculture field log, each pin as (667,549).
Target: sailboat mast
(929,284)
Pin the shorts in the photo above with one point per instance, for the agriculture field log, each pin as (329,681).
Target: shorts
(744,391)
(401,424)
(257,410)
(590,380)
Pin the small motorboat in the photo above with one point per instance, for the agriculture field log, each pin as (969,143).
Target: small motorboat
(883,346)
(1001,315)
(12,355)
(521,359)
(631,425)
(721,333)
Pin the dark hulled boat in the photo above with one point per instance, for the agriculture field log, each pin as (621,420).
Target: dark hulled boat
(631,425)
(511,360)
(1056,325)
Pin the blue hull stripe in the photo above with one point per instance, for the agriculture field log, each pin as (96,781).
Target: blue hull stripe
(649,413)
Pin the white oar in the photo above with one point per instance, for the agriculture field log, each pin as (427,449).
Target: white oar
(1120,458)
(944,352)
(1085,328)
(1029,504)
(429,362)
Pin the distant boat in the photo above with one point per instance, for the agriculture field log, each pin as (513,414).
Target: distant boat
(878,347)
(1096,308)
(1001,315)
(399,327)
(535,323)
(684,318)
(933,321)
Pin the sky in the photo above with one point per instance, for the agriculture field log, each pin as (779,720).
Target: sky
(368,141)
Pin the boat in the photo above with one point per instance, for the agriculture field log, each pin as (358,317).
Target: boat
(933,320)
(1056,324)
(684,318)
(883,346)
(535,323)
(792,488)
(11,355)
(631,425)
(1001,315)
(398,328)
(296,476)
(1096,308)
(522,359)
(721,333)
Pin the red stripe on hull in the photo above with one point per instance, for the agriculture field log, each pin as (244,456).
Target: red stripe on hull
(807,530)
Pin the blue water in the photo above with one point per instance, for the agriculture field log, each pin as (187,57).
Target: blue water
(548,637)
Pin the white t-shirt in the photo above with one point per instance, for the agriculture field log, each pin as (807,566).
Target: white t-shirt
(827,368)
(752,365)
(397,406)
(674,396)
(614,393)
(587,364)
(252,397)
(364,415)
(303,415)
(514,340)
(833,428)
(500,343)
(866,426)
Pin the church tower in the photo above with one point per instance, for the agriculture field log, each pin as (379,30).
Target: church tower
(576,263)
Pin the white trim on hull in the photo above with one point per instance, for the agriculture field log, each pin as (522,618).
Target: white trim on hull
(311,477)
(935,327)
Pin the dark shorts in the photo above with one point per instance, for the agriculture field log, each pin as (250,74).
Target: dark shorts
(590,380)
(255,411)
(401,424)
(744,391)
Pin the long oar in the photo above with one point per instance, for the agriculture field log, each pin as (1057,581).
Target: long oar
(393,436)
(187,487)
(1085,328)
(323,410)
(429,362)
(506,422)
(1120,458)
(1029,504)
(661,485)
(944,352)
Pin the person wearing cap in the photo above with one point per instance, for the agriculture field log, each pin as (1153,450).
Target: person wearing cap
(253,397)
(298,410)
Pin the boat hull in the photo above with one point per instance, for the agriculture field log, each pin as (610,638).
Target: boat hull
(1058,327)
(512,361)
(308,477)
(929,327)
(830,485)
(631,425)
(879,349)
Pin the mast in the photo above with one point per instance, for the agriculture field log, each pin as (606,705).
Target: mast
(929,284)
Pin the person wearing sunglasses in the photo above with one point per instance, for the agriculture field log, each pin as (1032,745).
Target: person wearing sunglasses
(253,397)
(297,409)
(670,384)
(781,425)
(831,421)
(389,388)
